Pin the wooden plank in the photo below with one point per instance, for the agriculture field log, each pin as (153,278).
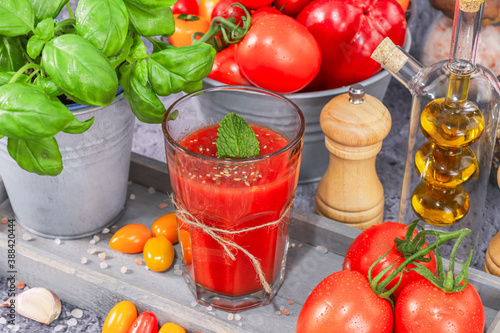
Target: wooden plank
(495,324)
(3,193)
(149,172)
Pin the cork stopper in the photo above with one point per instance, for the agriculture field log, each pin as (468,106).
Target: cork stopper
(470,6)
(389,56)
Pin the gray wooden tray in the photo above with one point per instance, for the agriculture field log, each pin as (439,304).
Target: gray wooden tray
(41,262)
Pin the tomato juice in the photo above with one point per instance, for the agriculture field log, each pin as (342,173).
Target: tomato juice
(234,195)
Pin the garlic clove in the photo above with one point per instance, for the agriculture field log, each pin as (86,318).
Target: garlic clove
(38,303)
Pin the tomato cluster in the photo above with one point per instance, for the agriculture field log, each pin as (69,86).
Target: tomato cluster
(294,45)
(350,300)
(123,318)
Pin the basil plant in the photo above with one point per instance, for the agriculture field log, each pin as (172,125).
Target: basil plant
(85,58)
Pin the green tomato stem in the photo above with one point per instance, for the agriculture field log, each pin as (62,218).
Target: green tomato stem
(24,69)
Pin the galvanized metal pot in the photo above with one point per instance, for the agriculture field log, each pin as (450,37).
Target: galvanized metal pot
(90,193)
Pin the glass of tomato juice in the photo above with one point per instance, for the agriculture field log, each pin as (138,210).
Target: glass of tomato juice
(233,214)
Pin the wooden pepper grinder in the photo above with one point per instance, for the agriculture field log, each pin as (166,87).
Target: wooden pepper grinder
(492,260)
(350,191)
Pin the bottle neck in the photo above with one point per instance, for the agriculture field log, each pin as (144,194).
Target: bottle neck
(466,29)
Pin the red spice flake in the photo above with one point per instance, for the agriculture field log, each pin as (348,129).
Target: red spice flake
(138,261)
(163,205)
(20,285)
(4,220)
(285,311)
(291,302)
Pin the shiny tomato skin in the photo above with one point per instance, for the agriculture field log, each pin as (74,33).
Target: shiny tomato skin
(172,328)
(278,54)
(348,31)
(222,9)
(158,253)
(130,239)
(344,302)
(262,12)
(206,7)
(185,28)
(255,4)
(185,6)
(372,243)
(291,7)
(145,323)
(166,226)
(120,318)
(225,68)
(423,308)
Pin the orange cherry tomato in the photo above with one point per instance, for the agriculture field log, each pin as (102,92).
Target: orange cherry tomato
(130,239)
(171,328)
(206,7)
(166,226)
(158,254)
(404,4)
(187,253)
(120,318)
(185,27)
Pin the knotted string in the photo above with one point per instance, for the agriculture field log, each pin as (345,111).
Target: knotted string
(216,233)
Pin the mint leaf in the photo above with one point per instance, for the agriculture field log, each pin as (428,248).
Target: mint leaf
(236,139)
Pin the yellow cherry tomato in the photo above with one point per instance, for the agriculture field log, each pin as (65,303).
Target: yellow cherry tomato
(120,318)
(187,253)
(171,328)
(130,239)
(206,7)
(185,26)
(158,254)
(166,226)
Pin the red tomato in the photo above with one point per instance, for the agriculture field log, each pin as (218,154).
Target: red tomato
(344,302)
(264,11)
(145,323)
(348,31)
(278,54)
(225,68)
(424,308)
(185,7)
(291,7)
(222,9)
(130,239)
(255,4)
(372,243)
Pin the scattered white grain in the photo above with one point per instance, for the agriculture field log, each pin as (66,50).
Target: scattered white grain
(282,307)
(72,322)
(177,266)
(92,242)
(193,304)
(132,196)
(84,260)
(209,308)
(103,265)
(27,237)
(278,313)
(178,272)
(105,231)
(3,321)
(58,328)
(68,314)
(237,317)
(146,267)
(96,238)
(15,328)
(77,313)
(91,250)
(321,249)
(123,270)
(230,316)
(151,190)
(102,255)
(300,245)
(114,226)
(293,244)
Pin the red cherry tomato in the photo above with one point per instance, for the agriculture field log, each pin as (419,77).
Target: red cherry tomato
(374,242)
(344,302)
(225,68)
(224,9)
(424,308)
(348,31)
(255,4)
(278,54)
(145,323)
(291,7)
(130,239)
(185,7)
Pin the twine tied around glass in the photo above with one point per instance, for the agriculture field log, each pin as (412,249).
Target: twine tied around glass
(217,234)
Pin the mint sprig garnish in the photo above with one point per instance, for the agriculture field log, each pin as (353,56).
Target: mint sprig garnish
(236,139)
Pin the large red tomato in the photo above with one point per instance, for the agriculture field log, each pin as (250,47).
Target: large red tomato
(372,243)
(223,8)
(423,308)
(225,68)
(254,4)
(348,31)
(278,54)
(344,302)
(291,7)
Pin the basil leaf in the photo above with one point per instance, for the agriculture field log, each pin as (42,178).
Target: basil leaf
(150,21)
(48,86)
(138,50)
(104,23)
(123,54)
(80,70)
(45,29)
(154,3)
(41,156)
(44,9)
(35,46)
(141,71)
(175,69)
(5,78)
(236,139)
(16,17)
(11,54)
(143,101)
(192,87)
(159,45)
(76,126)
(26,112)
